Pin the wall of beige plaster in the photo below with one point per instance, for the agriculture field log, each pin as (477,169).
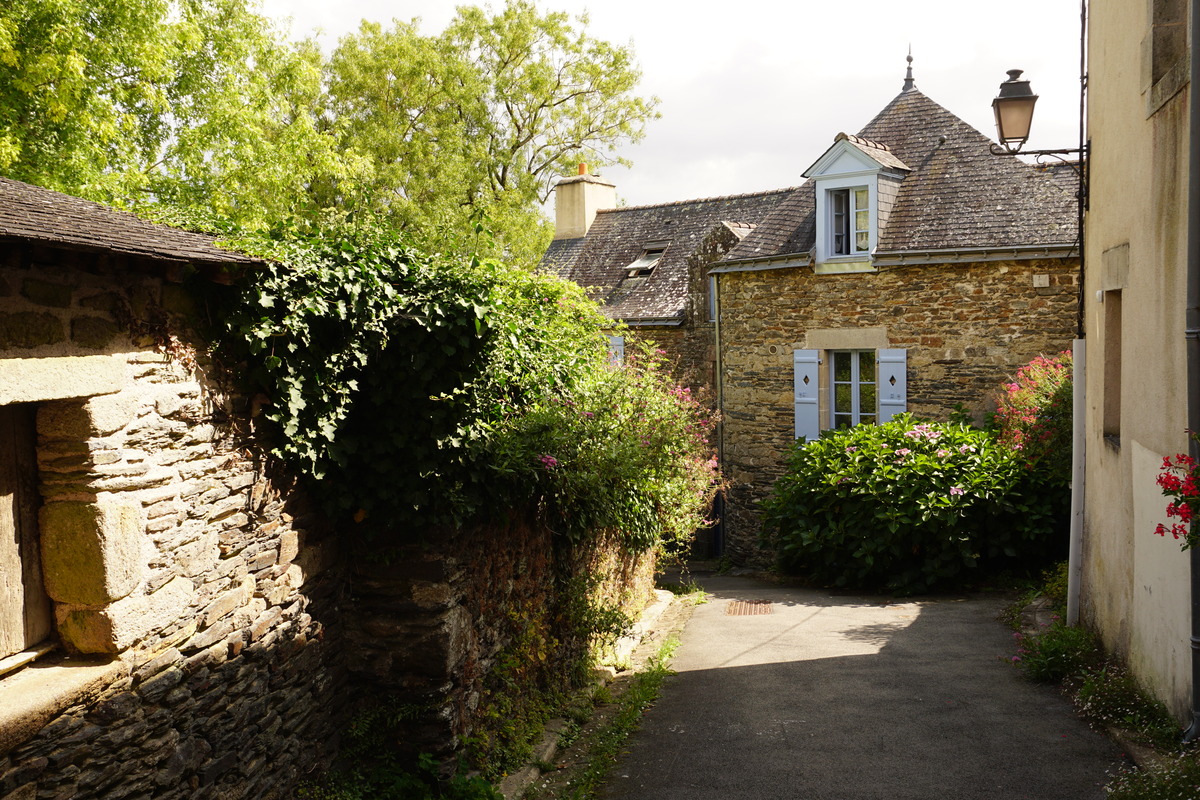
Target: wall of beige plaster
(965,327)
(1132,580)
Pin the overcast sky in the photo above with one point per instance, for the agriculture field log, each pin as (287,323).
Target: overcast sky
(753,91)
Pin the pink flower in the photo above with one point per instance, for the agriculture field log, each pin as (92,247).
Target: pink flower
(549,462)
(956,490)
(903,451)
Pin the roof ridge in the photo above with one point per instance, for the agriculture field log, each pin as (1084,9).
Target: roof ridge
(861,141)
(766,193)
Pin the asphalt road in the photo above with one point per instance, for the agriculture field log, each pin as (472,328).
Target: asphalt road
(855,698)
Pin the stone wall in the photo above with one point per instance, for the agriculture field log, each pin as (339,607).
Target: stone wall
(195,594)
(441,626)
(211,640)
(965,327)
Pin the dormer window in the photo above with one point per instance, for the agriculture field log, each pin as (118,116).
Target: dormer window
(856,183)
(850,221)
(646,262)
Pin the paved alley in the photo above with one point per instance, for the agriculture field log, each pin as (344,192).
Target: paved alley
(799,695)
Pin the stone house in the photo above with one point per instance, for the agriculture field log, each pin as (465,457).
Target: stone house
(1136,587)
(165,618)
(913,271)
(648,265)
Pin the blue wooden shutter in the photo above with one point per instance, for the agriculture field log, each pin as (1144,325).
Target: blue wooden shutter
(808,410)
(893,383)
(616,349)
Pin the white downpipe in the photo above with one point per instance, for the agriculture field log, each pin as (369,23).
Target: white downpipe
(1078,408)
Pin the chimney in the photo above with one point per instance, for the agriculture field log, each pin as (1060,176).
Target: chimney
(576,201)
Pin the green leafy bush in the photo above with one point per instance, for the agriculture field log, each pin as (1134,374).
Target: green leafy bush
(418,391)
(624,449)
(906,505)
(1034,416)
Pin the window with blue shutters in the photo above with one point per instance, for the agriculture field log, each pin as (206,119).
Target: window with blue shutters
(861,387)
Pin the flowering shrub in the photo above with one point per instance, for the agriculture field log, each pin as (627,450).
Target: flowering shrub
(1034,416)
(1178,481)
(626,450)
(908,506)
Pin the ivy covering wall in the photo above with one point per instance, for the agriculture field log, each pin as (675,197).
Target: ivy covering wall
(416,391)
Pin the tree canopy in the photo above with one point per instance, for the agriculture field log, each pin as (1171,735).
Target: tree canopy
(205,105)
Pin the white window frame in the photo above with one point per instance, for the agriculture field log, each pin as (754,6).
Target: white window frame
(826,189)
(616,350)
(856,383)
(846,222)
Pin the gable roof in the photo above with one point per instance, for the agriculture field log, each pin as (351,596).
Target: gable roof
(33,214)
(958,196)
(619,236)
(877,152)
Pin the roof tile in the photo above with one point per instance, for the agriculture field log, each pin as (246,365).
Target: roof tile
(31,213)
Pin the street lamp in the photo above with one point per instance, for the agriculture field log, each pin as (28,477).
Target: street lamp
(1013,108)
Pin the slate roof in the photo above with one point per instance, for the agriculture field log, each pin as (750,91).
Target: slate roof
(958,194)
(878,151)
(618,237)
(33,214)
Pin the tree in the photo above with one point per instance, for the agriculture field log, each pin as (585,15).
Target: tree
(203,105)
(479,120)
(198,103)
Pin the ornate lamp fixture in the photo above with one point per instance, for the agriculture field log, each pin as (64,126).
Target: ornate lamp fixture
(1013,108)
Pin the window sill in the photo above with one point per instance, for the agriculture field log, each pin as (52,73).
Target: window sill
(18,660)
(33,696)
(844,266)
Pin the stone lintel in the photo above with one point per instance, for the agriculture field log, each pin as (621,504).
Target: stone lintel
(846,339)
(32,380)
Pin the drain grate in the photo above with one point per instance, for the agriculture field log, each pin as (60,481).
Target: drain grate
(746,608)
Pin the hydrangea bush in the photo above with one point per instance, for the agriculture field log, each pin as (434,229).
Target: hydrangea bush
(908,506)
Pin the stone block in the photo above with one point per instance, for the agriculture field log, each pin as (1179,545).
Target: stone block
(93,333)
(91,552)
(46,293)
(108,302)
(26,792)
(227,601)
(98,416)
(198,556)
(114,628)
(28,329)
(289,546)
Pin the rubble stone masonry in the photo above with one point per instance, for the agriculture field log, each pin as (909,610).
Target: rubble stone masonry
(210,640)
(195,597)
(965,327)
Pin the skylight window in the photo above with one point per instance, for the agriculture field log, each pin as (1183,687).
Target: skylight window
(646,263)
